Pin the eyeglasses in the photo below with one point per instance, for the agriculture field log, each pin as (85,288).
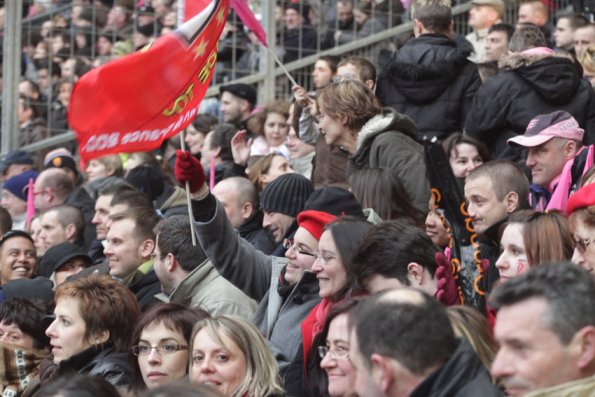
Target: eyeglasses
(145,350)
(44,191)
(289,244)
(582,245)
(325,258)
(341,354)
(345,77)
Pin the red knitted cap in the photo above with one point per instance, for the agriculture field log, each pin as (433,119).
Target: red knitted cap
(314,221)
(584,197)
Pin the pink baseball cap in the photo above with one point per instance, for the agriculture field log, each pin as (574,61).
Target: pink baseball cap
(544,127)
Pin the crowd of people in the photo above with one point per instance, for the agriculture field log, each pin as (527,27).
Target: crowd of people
(424,228)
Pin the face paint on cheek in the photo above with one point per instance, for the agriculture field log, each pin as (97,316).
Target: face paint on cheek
(521,265)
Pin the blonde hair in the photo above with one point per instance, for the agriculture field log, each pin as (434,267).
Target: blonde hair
(468,323)
(587,59)
(262,374)
(112,162)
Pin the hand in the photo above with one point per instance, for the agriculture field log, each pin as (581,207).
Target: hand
(300,95)
(240,147)
(188,169)
(446,288)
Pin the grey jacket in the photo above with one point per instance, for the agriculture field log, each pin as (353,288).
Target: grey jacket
(258,276)
(386,141)
(204,288)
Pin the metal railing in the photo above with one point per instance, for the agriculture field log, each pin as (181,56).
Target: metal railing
(272,83)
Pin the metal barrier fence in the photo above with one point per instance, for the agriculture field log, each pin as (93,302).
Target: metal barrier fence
(72,35)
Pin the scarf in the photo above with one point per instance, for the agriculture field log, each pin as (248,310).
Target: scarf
(19,366)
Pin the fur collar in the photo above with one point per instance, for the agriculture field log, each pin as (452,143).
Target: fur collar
(518,60)
(377,123)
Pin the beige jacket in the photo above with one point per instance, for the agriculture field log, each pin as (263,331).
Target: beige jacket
(205,289)
(579,388)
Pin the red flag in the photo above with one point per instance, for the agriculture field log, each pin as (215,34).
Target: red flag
(246,15)
(192,7)
(136,102)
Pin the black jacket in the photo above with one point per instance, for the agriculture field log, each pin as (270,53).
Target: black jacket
(432,82)
(253,232)
(299,43)
(525,88)
(145,290)
(463,375)
(80,199)
(98,360)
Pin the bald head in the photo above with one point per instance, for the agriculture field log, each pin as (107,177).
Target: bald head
(51,188)
(239,198)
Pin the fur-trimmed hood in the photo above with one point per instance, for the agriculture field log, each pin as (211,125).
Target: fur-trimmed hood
(426,66)
(389,120)
(517,60)
(554,77)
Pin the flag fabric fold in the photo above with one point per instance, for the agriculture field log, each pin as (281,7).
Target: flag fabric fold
(247,16)
(136,102)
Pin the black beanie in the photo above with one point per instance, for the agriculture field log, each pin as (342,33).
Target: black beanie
(287,194)
(147,179)
(335,201)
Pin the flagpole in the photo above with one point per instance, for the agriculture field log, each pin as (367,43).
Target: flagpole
(281,65)
(188,200)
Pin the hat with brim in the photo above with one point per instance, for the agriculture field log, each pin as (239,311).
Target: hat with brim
(15,157)
(544,127)
(58,255)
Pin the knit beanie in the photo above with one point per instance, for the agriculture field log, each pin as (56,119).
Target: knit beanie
(147,179)
(287,194)
(60,158)
(314,221)
(334,200)
(17,184)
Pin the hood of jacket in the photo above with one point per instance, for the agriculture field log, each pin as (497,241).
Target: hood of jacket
(426,66)
(173,196)
(389,122)
(553,77)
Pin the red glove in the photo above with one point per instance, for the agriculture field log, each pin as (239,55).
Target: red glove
(446,287)
(188,169)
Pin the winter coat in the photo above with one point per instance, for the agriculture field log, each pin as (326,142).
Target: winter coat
(386,141)
(526,87)
(205,289)
(80,199)
(98,360)
(299,43)
(34,131)
(369,27)
(172,202)
(579,388)
(252,231)
(463,375)
(144,284)
(278,316)
(431,81)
